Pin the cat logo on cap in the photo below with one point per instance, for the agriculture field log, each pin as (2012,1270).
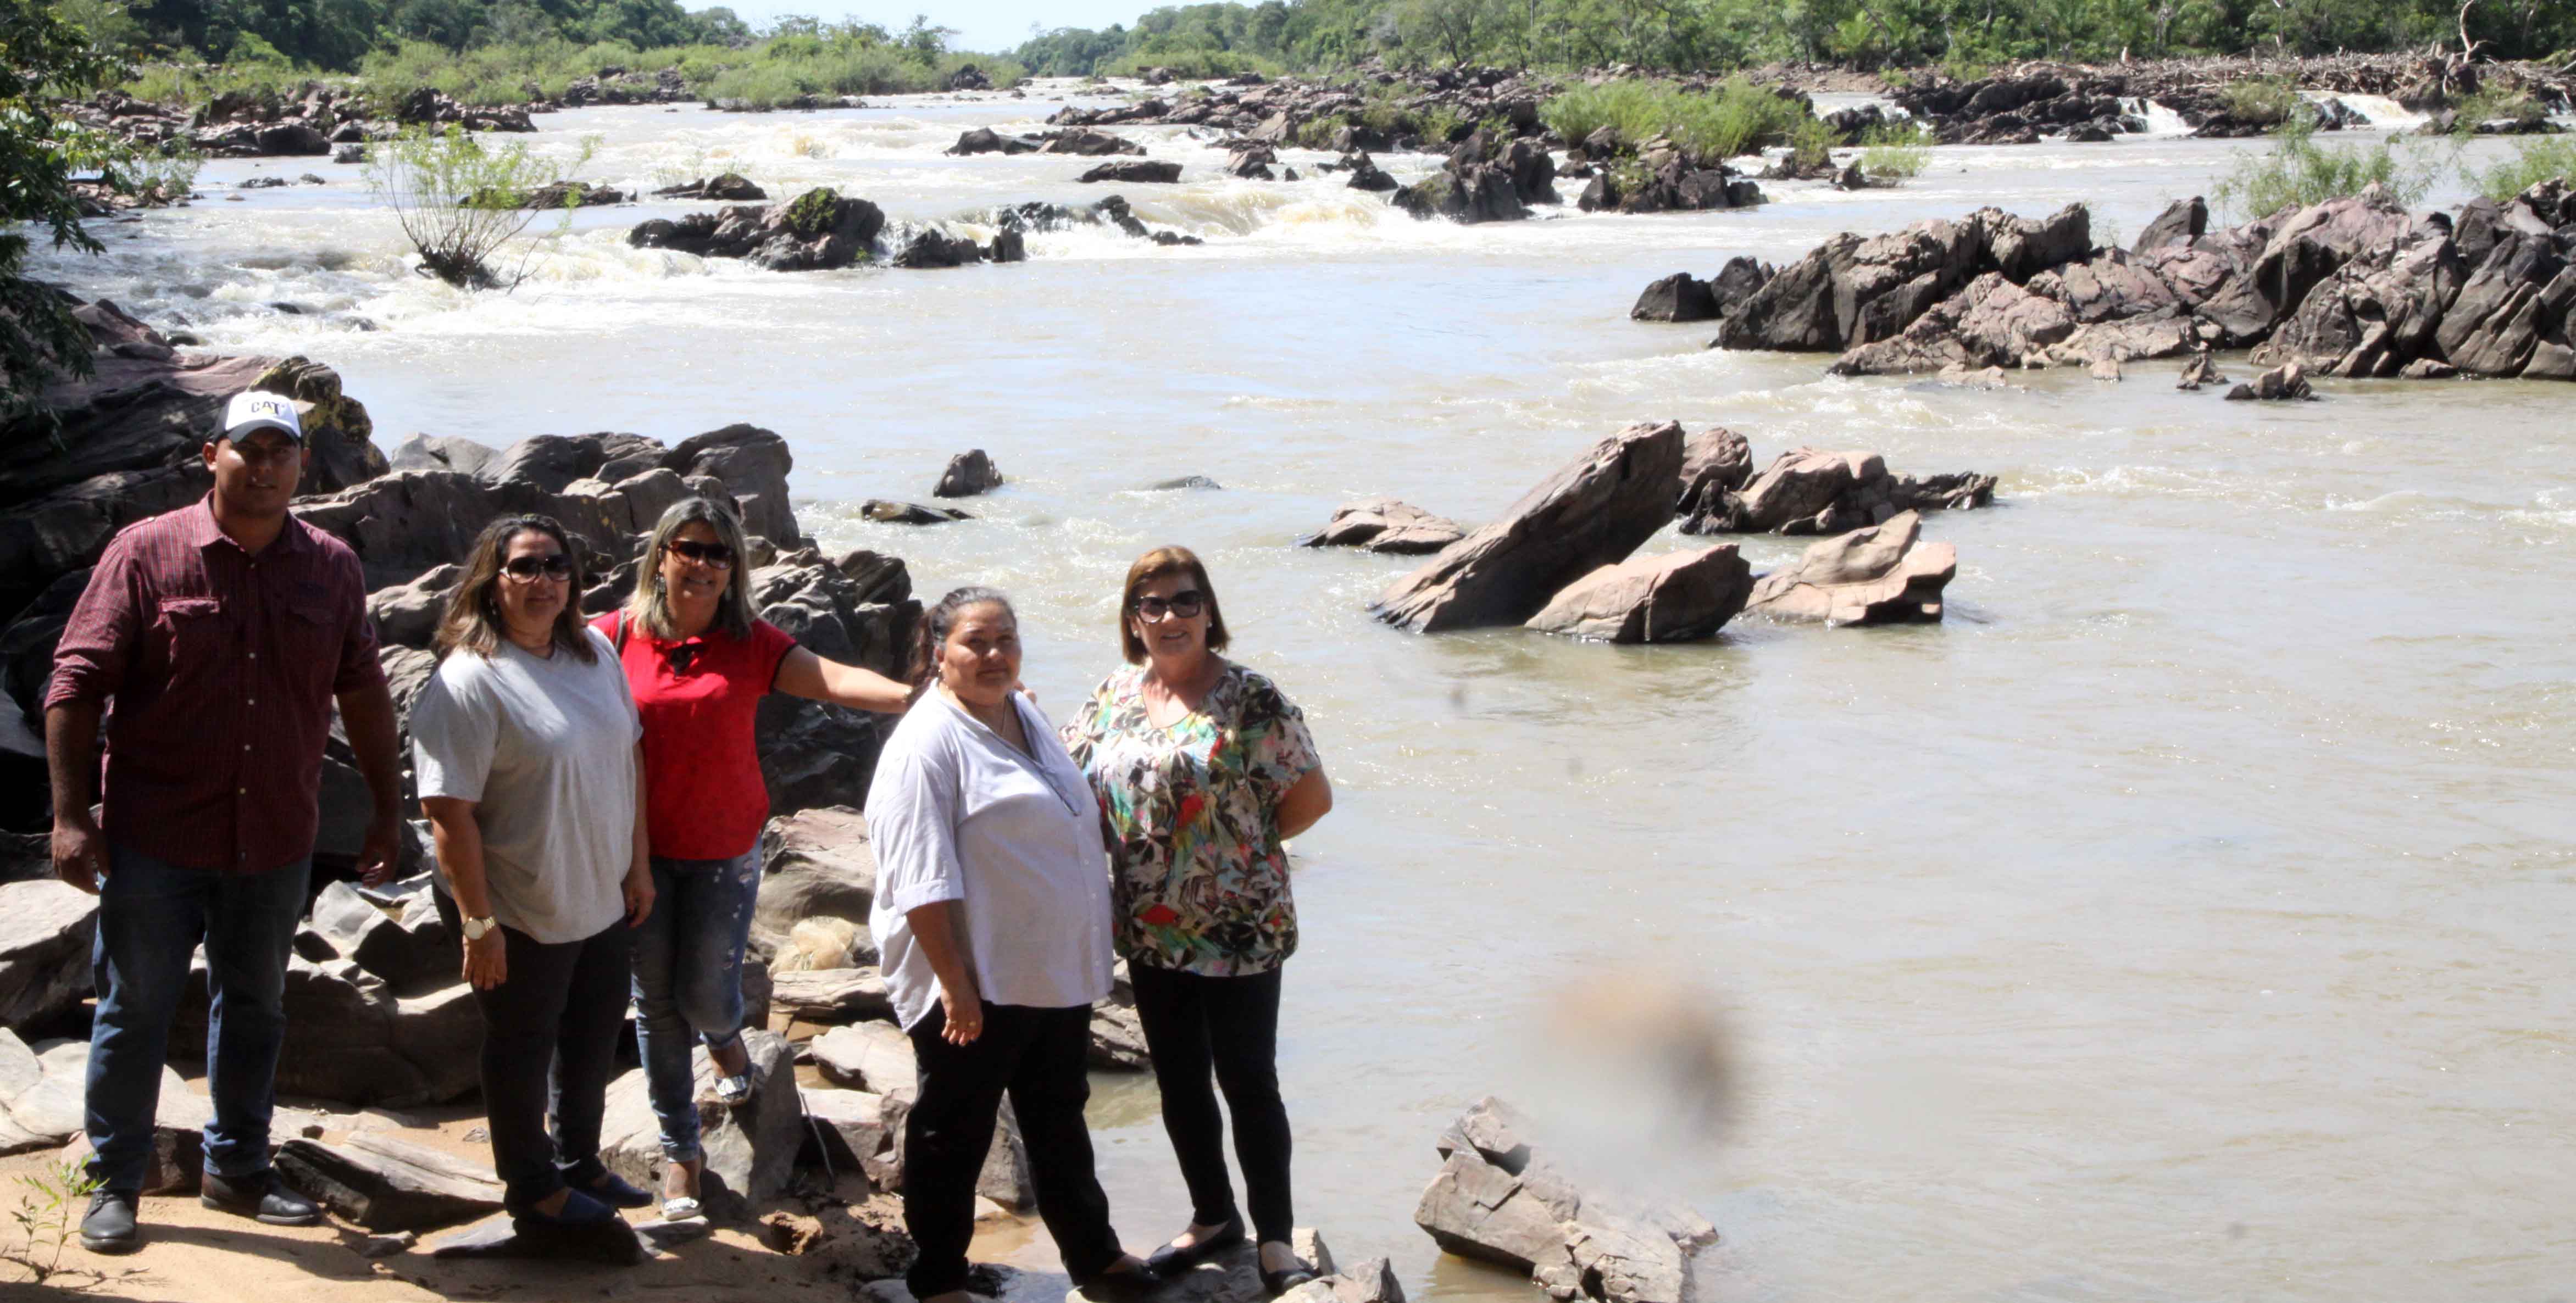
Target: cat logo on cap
(256,410)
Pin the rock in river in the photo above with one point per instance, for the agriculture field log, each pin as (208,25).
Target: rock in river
(1388,526)
(1883,574)
(1677,597)
(1589,514)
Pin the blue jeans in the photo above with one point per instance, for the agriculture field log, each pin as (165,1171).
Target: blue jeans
(151,915)
(688,978)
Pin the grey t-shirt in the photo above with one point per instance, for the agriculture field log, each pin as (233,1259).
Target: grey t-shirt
(545,747)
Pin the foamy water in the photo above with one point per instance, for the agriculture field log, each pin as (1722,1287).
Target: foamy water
(2187,917)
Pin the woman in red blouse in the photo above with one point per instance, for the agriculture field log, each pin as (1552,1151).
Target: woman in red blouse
(699,663)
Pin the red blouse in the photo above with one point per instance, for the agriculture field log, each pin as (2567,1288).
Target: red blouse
(704,799)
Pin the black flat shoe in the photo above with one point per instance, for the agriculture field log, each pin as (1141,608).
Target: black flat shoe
(617,1192)
(261,1196)
(1276,1283)
(1171,1258)
(1119,1286)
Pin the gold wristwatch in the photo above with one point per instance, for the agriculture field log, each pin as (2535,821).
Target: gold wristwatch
(474,928)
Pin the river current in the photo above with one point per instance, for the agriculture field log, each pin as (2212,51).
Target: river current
(2186,917)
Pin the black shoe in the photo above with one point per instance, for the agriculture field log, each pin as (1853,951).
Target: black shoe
(262,1196)
(109,1227)
(1117,1286)
(1170,1258)
(617,1192)
(1276,1283)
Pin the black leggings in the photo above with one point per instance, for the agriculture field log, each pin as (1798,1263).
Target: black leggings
(550,1032)
(1230,1025)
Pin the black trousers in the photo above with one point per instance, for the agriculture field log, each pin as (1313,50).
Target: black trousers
(550,1045)
(1228,1026)
(1040,1056)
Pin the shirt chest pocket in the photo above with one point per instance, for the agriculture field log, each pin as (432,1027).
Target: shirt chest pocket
(196,635)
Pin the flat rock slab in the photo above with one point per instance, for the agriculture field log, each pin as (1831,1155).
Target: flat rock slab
(868,1056)
(386,1184)
(45,929)
(612,1243)
(1386,526)
(831,995)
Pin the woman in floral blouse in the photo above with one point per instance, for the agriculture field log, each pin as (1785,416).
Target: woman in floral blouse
(1202,769)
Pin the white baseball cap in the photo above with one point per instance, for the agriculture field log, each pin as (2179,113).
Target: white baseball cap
(255,409)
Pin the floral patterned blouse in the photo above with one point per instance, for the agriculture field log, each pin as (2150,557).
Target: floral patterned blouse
(1199,880)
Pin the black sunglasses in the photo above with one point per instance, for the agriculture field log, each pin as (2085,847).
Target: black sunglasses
(1186,604)
(557,566)
(716,555)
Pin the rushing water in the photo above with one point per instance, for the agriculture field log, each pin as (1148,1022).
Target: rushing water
(2187,917)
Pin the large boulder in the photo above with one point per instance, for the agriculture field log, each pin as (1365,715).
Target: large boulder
(816,863)
(813,754)
(1590,513)
(1134,171)
(44,1098)
(1879,575)
(2179,224)
(1715,462)
(1811,491)
(1678,297)
(819,230)
(2369,318)
(2518,297)
(385,1183)
(985,140)
(1497,1199)
(1387,526)
(45,933)
(1678,597)
(352,1040)
(750,1147)
(969,473)
(404,945)
(1473,193)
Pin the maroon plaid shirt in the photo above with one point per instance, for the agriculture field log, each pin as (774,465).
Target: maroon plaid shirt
(218,668)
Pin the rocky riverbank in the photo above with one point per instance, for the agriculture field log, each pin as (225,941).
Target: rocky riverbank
(2354,287)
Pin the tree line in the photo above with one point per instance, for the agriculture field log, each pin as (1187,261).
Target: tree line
(335,35)
(1716,35)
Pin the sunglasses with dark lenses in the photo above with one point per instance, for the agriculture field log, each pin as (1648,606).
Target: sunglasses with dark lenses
(1186,604)
(712,554)
(557,566)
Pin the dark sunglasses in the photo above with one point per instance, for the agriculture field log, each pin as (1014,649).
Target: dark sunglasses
(1186,604)
(557,566)
(716,555)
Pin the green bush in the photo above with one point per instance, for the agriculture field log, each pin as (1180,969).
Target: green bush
(188,84)
(2268,101)
(2496,104)
(458,199)
(1895,153)
(1205,64)
(775,77)
(2535,159)
(1811,145)
(2297,171)
(1737,118)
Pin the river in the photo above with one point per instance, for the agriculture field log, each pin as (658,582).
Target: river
(2186,917)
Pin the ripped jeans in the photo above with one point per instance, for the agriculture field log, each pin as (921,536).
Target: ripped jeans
(688,979)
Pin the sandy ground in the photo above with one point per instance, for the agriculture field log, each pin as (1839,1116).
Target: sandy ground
(198,1255)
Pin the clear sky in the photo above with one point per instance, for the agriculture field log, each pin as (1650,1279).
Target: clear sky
(994,25)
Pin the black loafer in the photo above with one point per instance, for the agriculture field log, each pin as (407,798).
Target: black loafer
(617,1192)
(1119,1286)
(1276,1283)
(1172,1258)
(109,1225)
(262,1196)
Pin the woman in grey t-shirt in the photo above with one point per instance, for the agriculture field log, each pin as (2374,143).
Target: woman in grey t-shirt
(525,746)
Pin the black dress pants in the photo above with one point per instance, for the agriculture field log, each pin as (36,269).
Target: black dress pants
(550,1045)
(1228,1026)
(1041,1057)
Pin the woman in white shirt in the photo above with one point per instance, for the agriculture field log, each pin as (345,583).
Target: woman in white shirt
(992,914)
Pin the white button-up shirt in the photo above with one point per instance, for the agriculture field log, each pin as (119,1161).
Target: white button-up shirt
(955,812)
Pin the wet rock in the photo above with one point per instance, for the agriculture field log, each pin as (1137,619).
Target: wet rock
(349,153)
(1007,246)
(2107,369)
(969,473)
(1498,1201)
(387,1184)
(1882,574)
(1387,526)
(1588,514)
(1084,143)
(45,934)
(2287,382)
(969,77)
(1250,160)
(750,1147)
(1177,483)
(930,247)
(2517,298)
(1477,192)
(1365,173)
(727,187)
(2426,368)
(1677,597)
(908,513)
(1808,491)
(2201,370)
(1134,172)
(985,140)
(1678,297)
(819,230)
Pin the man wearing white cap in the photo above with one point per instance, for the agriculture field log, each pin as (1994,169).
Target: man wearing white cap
(213,640)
